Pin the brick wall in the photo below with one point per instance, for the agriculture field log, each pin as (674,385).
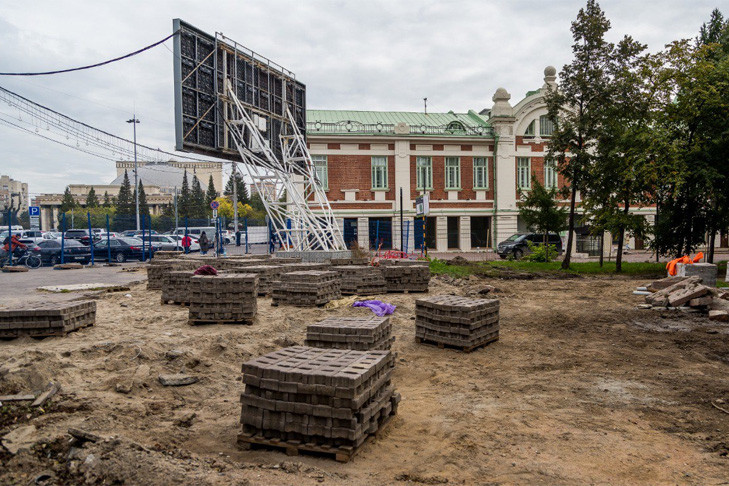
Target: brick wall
(348,171)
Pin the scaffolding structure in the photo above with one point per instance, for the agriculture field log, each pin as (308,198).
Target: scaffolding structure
(299,212)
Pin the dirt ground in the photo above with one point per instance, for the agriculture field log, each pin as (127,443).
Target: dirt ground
(581,388)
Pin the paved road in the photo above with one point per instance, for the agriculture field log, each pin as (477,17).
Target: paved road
(21,287)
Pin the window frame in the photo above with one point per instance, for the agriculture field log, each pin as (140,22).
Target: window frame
(549,123)
(456,173)
(379,168)
(550,166)
(316,160)
(519,184)
(531,128)
(485,168)
(419,184)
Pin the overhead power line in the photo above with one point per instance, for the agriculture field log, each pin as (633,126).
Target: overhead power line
(61,71)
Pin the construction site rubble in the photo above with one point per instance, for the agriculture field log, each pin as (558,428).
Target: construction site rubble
(688,293)
(363,334)
(227,298)
(319,400)
(306,288)
(462,322)
(47,319)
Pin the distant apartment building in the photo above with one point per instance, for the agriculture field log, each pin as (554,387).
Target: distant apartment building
(13,193)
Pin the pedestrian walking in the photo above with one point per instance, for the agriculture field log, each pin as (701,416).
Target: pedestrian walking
(204,243)
(186,243)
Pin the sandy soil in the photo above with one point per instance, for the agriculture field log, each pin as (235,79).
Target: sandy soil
(581,388)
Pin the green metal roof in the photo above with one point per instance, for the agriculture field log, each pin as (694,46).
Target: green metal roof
(348,122)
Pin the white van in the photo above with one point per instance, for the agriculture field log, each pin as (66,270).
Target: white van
(196,231)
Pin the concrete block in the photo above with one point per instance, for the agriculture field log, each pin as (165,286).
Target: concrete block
(706,271)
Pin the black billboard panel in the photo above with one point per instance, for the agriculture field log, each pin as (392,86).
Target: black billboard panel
(201,63)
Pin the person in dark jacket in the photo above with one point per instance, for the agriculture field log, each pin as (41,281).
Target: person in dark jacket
(204,243)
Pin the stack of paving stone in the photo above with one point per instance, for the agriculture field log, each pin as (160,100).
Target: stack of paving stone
(318,400)
(227,298)
(46,319)
(362,334)
(305,266)
(406,275)
(350,261)
(176,287)
(361,280)
(267,274)
(451,320)
(157,269)
(238,262)
(166,255)
(306,288)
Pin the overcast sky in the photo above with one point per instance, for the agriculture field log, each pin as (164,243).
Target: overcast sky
(362,55)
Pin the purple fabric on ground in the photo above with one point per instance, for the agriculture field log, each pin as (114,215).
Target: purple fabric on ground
(377,306)
(206,270)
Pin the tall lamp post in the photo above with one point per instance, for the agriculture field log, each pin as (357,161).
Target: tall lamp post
(134,121)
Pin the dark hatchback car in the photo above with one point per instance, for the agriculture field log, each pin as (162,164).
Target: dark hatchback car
(81,235)
(73,252)
(122,249)
(518,244)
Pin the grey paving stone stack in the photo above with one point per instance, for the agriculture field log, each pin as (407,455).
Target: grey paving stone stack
(157,270)
(166,255)
(306,288)
(47,319)
(457,321)
(322,400)
(361,280)
(350,261)
(406,276)
(267,274)
(362,334)
(224,298)
(176,286)
(305,266)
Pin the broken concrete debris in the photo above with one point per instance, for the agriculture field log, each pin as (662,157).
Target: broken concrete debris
(687,291)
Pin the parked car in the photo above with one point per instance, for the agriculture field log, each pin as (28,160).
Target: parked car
(73,252)
(34,235)
(517,245)
(110,235)
(194,246)
(81,235)
(122,249)
(51,235)
(165,242)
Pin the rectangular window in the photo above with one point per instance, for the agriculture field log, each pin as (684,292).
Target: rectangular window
(320,170)
(379,172)
(550,175)
(452,173)
(523,173)
(480,173)
(546,127)
(424,173)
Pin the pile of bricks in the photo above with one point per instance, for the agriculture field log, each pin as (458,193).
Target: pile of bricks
(157,269)
(319,400)
(267,274)
(361,280)
(405,275)
(307,288)
(304,266)
(176,287)
(688,293)
(227,298)
(350,261)
(47,319)
(362,334)
(166,255)
(450,320)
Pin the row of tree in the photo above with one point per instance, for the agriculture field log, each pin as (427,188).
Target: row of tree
(639,129)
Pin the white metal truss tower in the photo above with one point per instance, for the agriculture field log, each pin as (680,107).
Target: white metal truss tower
(294,221)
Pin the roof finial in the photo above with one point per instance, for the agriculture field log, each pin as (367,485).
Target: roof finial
(425,103)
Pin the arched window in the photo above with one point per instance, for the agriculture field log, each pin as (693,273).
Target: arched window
(529,132)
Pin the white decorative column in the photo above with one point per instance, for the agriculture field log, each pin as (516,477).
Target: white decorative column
(363,233)
(441,233)
(503,121)
(464,229)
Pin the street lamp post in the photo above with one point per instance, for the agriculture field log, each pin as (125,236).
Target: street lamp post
(134,121)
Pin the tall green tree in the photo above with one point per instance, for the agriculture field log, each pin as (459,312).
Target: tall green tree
(125,199)
(242,188)
(184,201)
(68,204)
(540,211)
(143,205)
(107,200)
(211,193)
(199,208)
(573,108)
(91,200)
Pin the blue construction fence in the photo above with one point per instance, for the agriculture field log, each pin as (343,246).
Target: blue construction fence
(382,237)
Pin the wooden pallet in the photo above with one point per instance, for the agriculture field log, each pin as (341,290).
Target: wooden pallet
(294,448)
(199,322)
(406,291)
(465,349)
(172,302)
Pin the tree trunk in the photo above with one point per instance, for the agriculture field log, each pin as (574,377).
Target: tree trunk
(571,229)
(712,242)
(621,241)
(546,248)
(602,247)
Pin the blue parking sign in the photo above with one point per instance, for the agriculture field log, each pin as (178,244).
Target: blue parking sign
(34,211)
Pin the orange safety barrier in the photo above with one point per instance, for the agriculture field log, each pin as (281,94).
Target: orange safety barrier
(672,266)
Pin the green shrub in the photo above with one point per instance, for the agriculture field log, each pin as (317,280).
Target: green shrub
(541,253)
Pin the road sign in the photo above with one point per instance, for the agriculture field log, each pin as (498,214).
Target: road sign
(35,223)
(422,205)
(214,204)
(215,213)
(34,211)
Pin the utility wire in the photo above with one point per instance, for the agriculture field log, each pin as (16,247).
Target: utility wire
(45,73)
